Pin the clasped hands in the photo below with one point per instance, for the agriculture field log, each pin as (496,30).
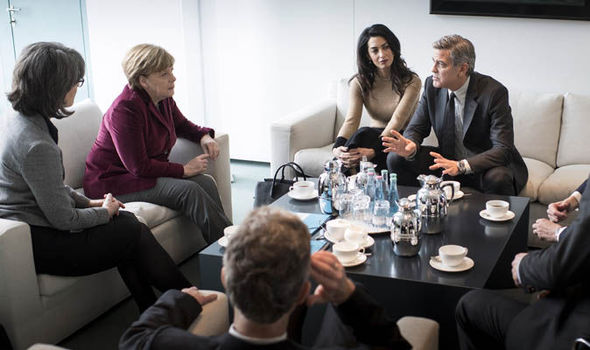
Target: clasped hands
(110,203)
(199,164)
(398,144)
(351,158)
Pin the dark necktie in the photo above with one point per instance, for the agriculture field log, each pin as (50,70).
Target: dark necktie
(448,140)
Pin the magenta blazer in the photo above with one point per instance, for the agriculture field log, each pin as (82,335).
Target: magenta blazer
(133,144)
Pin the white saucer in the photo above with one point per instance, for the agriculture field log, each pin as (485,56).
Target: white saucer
(305,197)
(465,265)
(222,241)
(458,195)
(508,216)
(368,242)
(361,258)
(412,198)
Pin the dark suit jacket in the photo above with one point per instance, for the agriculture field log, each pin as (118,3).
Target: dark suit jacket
(488,130)
(133,143)
(564,269)
(163,326)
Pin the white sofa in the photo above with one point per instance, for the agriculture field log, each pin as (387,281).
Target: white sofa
(550,132)
(45,308)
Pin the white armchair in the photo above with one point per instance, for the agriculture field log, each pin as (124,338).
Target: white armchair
(307,136)
(46,308)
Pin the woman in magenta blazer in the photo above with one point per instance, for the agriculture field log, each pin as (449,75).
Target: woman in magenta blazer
(130,155)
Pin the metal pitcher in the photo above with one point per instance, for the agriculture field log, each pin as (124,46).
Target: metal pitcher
(330,183)
(405,232)
(432,203)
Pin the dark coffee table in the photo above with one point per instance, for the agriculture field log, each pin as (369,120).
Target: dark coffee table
(410,286)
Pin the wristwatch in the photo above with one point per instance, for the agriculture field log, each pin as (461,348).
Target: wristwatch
(461,166)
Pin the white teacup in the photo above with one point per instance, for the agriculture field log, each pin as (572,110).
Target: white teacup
(447,189)
(497,208)
(452,255)
(302,188)
(356,234)
(347,251)
(336,228)
(229,231)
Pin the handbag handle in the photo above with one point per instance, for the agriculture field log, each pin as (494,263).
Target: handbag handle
(292,165)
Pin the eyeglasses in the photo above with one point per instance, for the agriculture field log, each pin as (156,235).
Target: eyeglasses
(80,82)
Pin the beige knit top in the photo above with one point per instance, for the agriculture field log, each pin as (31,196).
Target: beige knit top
(384,105)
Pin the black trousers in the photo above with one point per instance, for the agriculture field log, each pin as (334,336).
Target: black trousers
(483,319)
(367,137)
(496,180)
(123,242)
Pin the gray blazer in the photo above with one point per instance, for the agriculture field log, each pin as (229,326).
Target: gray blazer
(31,179)
(488,131)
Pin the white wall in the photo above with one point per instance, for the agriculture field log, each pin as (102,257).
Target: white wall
(116,26)
(265,58)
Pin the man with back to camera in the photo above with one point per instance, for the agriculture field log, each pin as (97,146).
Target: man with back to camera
(489,320)
(471,118)
(266,269)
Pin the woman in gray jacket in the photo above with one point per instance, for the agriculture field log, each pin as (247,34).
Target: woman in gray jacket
(71,234)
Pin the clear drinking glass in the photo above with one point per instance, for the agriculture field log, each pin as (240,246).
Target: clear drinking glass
(381,213)
(361,210)
(346,205)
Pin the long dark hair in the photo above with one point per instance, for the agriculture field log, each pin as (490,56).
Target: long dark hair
(44,73)
(400,74)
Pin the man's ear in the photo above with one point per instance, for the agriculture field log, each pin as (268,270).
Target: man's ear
(303,293)
(464,68)
(223,277)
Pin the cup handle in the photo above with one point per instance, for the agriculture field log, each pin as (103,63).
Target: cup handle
(362,251)
(291,188)
(466,250)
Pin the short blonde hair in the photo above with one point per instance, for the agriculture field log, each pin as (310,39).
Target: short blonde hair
(145,59)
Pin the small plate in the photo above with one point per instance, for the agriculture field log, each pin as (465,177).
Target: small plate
(306,197)
(222,241)
(361,258)
(436,263)
(368,242)
(458,195)
(508,216)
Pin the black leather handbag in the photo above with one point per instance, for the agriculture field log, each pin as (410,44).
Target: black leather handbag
(270,190)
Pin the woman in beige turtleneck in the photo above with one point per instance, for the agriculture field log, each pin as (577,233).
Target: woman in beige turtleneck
(387,88)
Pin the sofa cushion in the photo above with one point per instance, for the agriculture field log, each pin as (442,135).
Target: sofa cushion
(544,112)
(76,136)
(312,159)
(151,214)
(574,142)
(563,182)
(50,285)
(538,172)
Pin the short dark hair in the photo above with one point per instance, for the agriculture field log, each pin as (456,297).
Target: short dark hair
(266,263)
(401,75)
(44,73)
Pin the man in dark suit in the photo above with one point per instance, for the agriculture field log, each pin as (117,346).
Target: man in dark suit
(486,320)
(265,272)
(471,118)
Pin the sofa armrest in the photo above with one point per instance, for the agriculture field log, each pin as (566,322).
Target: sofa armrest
(20,299)
(310,127)
(185,150)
